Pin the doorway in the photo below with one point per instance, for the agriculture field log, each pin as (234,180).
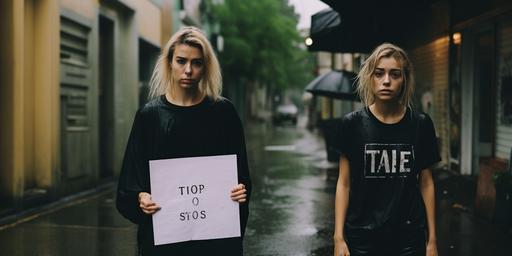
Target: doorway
(106,97)
(484,98)
(77,153)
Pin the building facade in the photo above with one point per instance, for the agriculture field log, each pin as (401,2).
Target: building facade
(463,76)
(461,51)
(72,76)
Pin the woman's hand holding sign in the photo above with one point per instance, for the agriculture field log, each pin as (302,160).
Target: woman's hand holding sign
(239,193)
(146,204)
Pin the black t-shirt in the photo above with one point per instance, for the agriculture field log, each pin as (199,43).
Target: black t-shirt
(385,161)
(162,130)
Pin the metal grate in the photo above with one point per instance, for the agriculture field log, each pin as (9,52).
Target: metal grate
(73,44)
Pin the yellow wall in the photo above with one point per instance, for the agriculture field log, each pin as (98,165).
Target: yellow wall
(46,91)
(28,116)
(29,95)
(11,95)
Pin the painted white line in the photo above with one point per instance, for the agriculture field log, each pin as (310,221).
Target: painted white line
(280,148)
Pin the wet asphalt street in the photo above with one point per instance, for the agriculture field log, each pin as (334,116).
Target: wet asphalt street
(291,210)
(293,193)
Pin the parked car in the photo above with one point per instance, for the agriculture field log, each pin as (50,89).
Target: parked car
(285,112)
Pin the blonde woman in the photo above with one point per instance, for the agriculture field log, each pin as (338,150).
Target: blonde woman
(187,117)
(385,191)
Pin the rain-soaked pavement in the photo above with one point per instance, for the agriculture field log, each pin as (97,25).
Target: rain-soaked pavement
(291,210)
(293,193)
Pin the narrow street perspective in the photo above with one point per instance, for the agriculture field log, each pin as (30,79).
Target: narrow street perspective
(292,203)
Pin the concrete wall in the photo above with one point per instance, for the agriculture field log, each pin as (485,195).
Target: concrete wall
(88,9)
(147,15)
(125,78)
(30,149)
(431,68)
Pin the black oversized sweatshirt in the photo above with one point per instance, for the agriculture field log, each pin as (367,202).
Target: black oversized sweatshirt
(162,130)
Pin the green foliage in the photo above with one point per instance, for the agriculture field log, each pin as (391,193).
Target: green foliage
(261,43)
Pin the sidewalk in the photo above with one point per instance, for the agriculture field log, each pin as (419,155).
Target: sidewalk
(85,226)
(459,230)
(45,205)
(459,190)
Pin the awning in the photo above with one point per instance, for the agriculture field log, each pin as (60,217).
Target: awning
(364,24)
(329,32)
(386,11)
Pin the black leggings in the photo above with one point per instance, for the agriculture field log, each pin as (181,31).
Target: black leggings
(388,243)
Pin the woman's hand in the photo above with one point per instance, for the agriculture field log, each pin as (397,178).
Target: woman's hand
(431,248)
(146,204)
(340,247)
(239,193)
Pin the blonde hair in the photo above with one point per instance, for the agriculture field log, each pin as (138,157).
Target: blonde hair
(162,80)
(365,77)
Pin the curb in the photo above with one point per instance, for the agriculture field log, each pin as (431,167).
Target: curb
(35,212)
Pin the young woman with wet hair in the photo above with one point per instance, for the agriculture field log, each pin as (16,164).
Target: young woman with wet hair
(385,191)
(186,118)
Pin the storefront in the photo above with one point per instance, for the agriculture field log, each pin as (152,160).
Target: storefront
(486,127)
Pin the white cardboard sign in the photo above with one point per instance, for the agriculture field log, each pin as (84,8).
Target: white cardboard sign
(194,195)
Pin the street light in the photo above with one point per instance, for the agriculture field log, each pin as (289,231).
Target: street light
(457,38)
(308,41)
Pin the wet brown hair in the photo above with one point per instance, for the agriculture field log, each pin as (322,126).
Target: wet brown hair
(365,77)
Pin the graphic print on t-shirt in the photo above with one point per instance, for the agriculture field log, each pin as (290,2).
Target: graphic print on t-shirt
(388,160)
